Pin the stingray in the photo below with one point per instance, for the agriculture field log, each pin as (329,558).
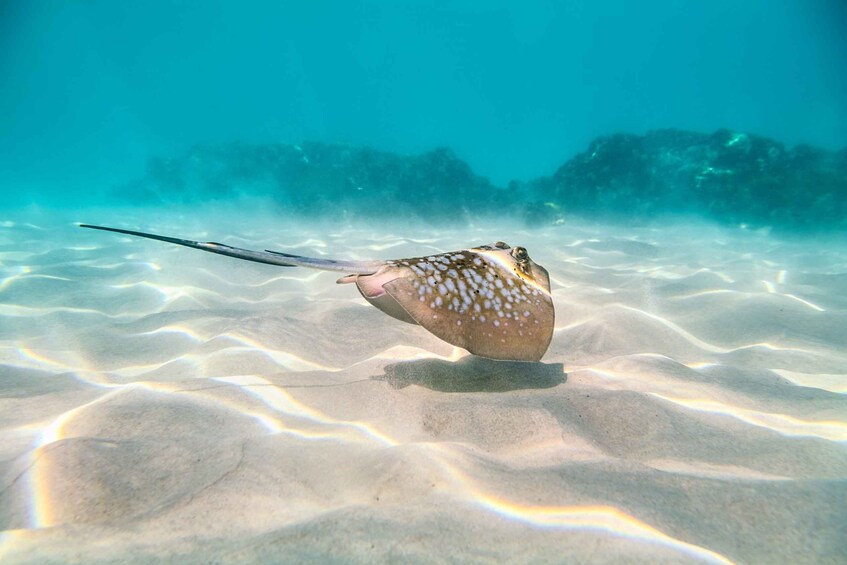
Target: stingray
(492,300)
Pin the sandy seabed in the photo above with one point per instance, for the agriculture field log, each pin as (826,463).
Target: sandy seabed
(162,404)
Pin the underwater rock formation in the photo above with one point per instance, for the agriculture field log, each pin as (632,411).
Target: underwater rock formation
(318,178)
(729,177)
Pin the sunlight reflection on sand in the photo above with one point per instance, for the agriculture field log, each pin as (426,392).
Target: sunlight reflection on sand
(288,365)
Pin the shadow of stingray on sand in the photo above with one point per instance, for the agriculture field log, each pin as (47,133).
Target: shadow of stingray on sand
(474,374)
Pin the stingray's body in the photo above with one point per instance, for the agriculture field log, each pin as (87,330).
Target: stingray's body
(492,300)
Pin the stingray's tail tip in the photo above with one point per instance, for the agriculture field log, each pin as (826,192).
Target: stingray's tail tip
(93,227)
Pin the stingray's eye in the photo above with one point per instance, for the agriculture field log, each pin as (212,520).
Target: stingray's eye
(520,254)
(501,245)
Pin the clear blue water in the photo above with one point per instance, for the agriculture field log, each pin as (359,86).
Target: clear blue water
(679,169)
(92,90)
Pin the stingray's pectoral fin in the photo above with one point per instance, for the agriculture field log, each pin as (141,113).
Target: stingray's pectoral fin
(521,337)
(371,288)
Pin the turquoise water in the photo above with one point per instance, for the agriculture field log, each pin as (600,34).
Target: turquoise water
(679,171)
(97,89)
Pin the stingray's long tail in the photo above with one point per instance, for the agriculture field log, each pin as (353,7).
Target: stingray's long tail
(268,257)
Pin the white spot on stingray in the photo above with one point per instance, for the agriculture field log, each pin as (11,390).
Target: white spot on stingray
(450,286)
(497,323)
(526,313)
(442,289)
(438,301)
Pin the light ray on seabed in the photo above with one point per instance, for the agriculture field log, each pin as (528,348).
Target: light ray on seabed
(567,518)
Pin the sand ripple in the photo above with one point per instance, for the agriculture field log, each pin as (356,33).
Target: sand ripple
(160,403)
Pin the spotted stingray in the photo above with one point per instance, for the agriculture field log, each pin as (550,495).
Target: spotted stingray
(492,300)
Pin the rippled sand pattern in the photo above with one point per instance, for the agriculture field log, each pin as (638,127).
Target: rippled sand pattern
(162,403)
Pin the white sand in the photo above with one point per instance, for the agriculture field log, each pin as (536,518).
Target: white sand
(160,403)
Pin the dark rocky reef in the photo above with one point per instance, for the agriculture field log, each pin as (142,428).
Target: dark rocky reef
(730,177)
(319,179)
